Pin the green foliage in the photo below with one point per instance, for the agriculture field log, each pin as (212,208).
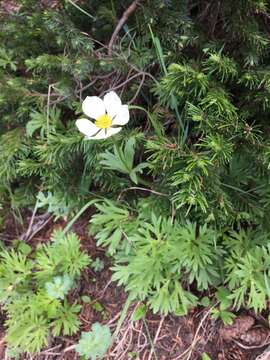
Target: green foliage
(98,264)
(6,59)
(213,102)
(139,313)
(59,287)
(34,288)
(205,356)
(108,224)
(95,343)
(174,254)
(167,252)
(123,160)
(222,312)
(196,74)
(249,278)
(62,255)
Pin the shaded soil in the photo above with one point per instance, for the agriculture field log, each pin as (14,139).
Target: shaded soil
(172,338)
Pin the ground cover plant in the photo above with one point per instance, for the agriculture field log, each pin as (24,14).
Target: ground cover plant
(34,289)
(174,100)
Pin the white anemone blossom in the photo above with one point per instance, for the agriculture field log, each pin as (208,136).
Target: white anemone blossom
(109,116)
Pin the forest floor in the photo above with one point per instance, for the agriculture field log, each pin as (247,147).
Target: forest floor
(154,337)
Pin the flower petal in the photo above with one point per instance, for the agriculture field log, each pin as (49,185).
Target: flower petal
(100,135)
(105,134)
(93,107)
(86,127)
(112,103)
(122,117)
(112,131)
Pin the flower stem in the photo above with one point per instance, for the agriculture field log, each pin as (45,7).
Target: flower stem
(151,118)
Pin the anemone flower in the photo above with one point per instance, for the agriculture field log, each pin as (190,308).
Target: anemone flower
(109,116)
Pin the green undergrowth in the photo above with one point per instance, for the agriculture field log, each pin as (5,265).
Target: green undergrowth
(34,285)
(182,193)
(161,259)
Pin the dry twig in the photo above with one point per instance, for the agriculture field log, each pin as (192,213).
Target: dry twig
(188,352)
(265,355)
(120,24)
(246,347)
(156,338)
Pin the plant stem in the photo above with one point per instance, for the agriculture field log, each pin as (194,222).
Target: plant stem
(76,217)
(155,126)
(80,9)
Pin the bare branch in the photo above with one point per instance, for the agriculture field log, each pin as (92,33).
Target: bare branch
(120,24)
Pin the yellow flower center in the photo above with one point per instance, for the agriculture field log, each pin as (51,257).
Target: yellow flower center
(103,121)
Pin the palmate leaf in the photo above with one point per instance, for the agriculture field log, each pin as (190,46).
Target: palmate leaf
(123,160)
(198,254)
(54,204)
(246,279)
(94,344)
(139,283)
(222,294)
(226,316)
(172,298)
(59,286)
(15,269)
(113,161)
(6,59)
(68,249)
(66,320)
(110,224)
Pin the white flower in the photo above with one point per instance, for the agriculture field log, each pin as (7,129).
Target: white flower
(109,115)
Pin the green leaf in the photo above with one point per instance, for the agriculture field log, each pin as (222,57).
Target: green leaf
(223,296)
(205,356)
(205,301)
(129,151)
(59,287)
(140,312)
(22,247)
(227,317)
(97,307)
(98,264)
(86,299)
(67,319)
(95,343)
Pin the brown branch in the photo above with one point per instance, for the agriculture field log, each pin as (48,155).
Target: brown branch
(118,86)
(120,24)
